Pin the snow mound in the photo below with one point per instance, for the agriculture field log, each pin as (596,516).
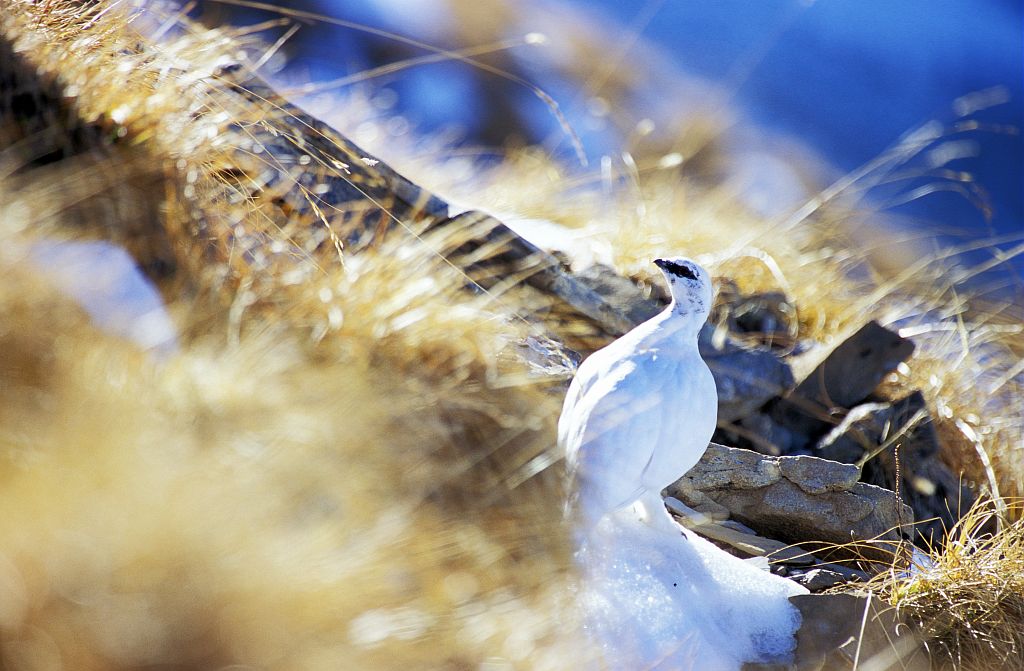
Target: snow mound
(658,600)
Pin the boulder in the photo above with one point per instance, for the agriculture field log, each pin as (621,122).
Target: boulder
(747,378)
(851,631)
(797,499)
(845,377)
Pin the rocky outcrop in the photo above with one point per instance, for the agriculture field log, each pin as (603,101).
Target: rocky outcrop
(843,377)
(881,433)
(795,499)
(747,377)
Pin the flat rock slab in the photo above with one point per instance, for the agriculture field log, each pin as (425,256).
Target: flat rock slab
(756,546)
(796,499)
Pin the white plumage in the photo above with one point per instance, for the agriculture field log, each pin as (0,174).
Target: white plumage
(640,412)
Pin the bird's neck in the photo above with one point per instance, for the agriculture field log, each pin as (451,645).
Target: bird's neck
(679,323)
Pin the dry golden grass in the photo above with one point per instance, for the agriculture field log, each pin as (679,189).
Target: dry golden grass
(246,505)
(331,471)
(334,468)
(966,599)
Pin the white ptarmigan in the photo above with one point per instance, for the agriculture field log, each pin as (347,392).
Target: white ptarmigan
(640,412)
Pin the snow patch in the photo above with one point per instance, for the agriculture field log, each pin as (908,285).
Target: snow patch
(657,600)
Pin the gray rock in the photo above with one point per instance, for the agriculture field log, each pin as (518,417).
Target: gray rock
(620,291)
(849,574)
(512,253)
(736,526)
(716,514)
(723,467)
(844,378)
(747,378)
(855,368)
(934,492)
(768,436)
(699,502)
(868,425)
(856,434)
(763,319)
(926,483)
(797,499)
(838,630)
(766,666)
(819,579)
(756,546)
(818,476)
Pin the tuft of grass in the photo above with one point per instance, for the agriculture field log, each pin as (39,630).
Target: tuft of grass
(966,600)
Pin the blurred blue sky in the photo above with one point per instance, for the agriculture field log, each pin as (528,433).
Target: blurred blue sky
(849,77)
(845,78)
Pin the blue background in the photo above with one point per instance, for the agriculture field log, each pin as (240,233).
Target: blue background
(847,78)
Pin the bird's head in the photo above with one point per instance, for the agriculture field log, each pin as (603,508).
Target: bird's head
(689,283)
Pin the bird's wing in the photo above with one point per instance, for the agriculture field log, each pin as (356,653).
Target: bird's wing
(593,368)
(613,432)
(609,363)
(604,362)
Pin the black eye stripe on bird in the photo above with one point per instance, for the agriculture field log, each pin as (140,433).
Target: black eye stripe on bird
(677,269)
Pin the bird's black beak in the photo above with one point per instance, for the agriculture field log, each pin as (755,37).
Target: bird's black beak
(661,263)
